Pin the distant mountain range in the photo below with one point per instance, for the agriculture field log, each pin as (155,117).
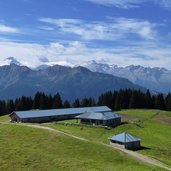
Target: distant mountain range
(71,83)
(156,79)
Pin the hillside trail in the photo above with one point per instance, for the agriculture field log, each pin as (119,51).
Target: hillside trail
(140,157)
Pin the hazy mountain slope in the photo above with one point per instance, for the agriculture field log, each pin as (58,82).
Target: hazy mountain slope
(71,83)
(9,61)
(157,79)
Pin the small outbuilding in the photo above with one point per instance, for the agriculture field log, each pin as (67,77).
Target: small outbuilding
(127,141)
(40,116)
(100,118)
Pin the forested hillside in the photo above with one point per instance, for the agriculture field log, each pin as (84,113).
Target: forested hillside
(123,99)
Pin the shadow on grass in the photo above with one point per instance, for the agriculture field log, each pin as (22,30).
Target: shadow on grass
(142,148)
(139,125)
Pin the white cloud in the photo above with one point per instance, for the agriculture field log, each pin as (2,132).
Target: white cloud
(118,3)
(116,29)
(60,22)
(126,4)
(8,29)
(164,3)
(76,53)
(143,28)
(46,28)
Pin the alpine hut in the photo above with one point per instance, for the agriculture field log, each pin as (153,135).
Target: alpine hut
(126,140)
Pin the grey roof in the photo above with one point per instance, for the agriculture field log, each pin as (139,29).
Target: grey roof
(99,116)
(125,137)
(55,112)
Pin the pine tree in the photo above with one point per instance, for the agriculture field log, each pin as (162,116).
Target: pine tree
(85,102)
(36,101)
(66,104)
(50,101)
(76,103)
(10,107)
(57,101)
(168,102)
(117,103)
(133,102)
(3,109)
(91,102)
(43,103)
(159,102)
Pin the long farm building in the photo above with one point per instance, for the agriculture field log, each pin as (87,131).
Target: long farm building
(99,115)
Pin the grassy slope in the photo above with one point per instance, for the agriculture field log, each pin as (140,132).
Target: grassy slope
(153,126)
(24,148)
(4,118)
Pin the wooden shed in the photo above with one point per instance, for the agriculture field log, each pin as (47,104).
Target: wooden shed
(127,141)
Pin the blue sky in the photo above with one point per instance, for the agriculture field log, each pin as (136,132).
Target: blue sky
(121,32)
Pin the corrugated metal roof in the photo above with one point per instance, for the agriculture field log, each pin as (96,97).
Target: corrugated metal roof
(125,137)
(99,116)
(55,112)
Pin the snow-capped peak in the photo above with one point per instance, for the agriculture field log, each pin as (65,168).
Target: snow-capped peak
(100,66)
(10,61)
(48,64)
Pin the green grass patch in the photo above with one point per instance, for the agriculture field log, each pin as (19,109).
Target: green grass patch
(25,148)
(140,114)
(5,118)
(153,126)
(156,134)
(164,118)
(75,121)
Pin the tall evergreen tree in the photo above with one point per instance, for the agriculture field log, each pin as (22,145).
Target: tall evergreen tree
(57,101)
(43,101)
(36,101)
(148,100)
(133,102)
(66,104)
(85,102)
(3,109)
(10,107)
(168,102)
(76,103)
(50,101)
(159,102)
(91,102)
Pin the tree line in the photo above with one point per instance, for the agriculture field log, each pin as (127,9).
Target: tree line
(122,99)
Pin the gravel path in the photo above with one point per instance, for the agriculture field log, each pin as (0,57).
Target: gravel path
(142,157)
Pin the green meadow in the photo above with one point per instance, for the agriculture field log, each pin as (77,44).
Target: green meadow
(153,126)
(26,148)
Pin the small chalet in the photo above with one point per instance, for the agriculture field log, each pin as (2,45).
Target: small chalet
(127,141)
(100,118)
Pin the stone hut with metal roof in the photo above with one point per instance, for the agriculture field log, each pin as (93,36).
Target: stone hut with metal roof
(40,116)
(127,141)
(100,118)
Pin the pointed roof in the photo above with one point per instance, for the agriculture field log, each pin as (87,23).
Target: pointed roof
(125,137)
(99,116)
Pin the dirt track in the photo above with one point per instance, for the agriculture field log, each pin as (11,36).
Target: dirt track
(143,158)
